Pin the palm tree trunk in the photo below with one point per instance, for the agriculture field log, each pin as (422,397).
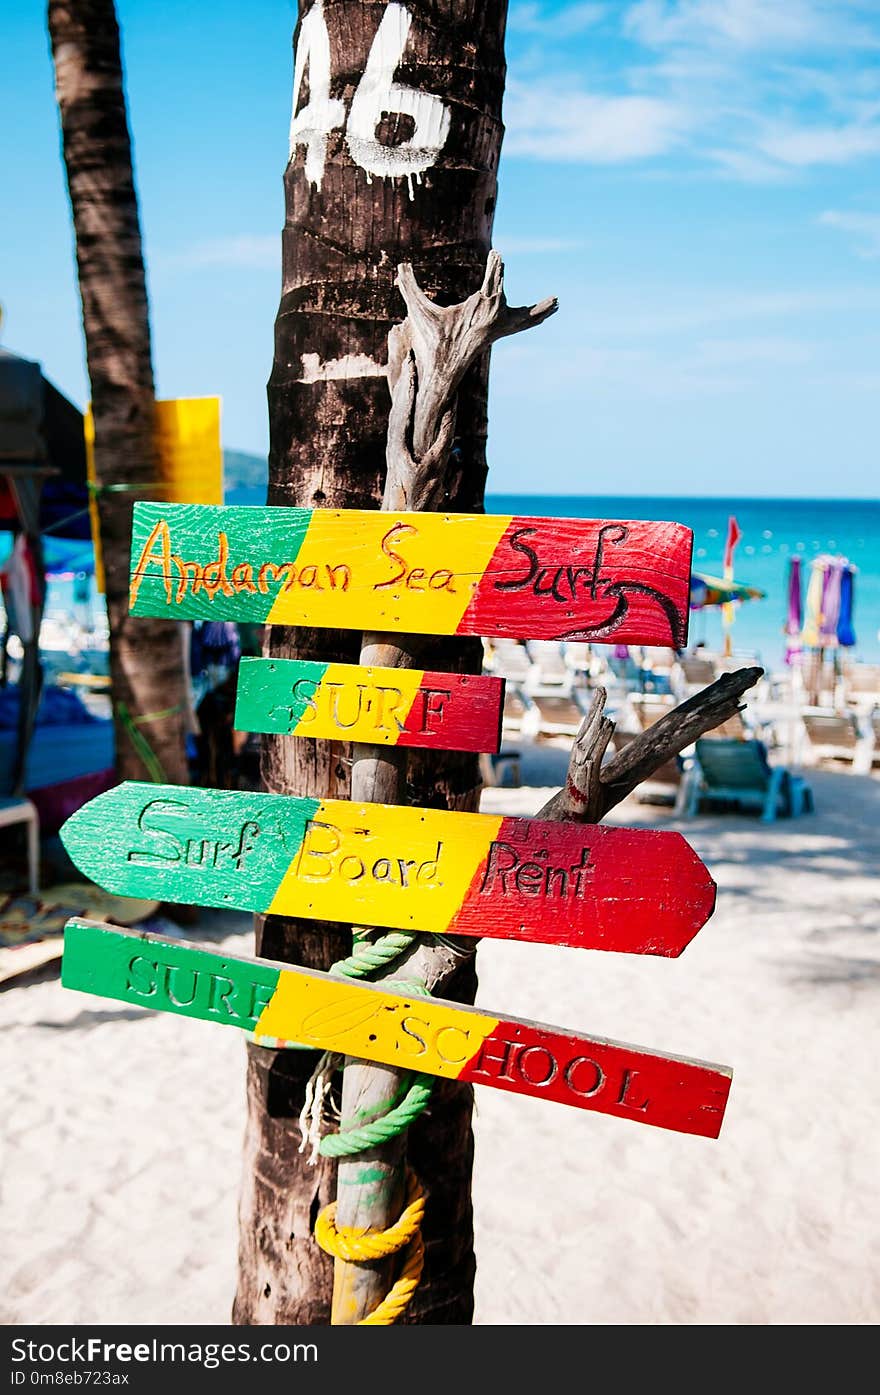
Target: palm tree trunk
(348,226)
(148,685)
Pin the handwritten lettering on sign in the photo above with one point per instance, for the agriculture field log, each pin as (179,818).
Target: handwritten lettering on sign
(638,891)
(282,1004)
(377,95)
(467,574)
(385,706)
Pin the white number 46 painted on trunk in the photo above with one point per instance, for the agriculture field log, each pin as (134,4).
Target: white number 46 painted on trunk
(376,95)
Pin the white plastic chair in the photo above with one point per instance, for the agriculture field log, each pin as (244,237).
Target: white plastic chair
(21,810)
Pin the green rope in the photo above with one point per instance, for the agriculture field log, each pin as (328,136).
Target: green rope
(368,956)
(395,1118)
(98,489)
(144,750)
(382,1130)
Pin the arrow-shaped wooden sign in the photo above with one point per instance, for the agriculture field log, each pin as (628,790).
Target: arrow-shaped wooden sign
(422,573)
(283,1004)
(587,885)
(384,706)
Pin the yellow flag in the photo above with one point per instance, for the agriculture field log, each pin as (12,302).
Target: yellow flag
(189,459)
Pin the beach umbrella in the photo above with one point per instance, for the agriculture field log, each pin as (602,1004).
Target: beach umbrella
(716,591)
(831,580)
(794,618)
(727,611)
(813,605)
(846,635)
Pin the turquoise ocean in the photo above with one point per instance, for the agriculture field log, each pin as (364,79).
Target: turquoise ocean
(772,531)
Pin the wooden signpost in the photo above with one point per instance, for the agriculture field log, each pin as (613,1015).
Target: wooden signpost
(386,865)
(639,891)
(383,706)
(281,1003)
(420,573)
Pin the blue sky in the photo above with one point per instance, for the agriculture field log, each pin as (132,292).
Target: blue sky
(696,181)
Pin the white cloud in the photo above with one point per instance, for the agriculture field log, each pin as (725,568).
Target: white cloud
(747,24)
(633,374)
(255,252)
(547,123)
(748,167)
(763,91)
(555,24)
(802,146)
(645,315)
(865,227)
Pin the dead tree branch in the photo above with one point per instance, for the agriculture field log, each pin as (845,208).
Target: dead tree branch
(605,786)
(428,355)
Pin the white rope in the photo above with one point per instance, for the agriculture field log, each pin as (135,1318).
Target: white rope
(318,1103)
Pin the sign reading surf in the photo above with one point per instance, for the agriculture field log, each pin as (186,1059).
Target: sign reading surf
(282,1005)
(384,706)
(466,574)
(638,891)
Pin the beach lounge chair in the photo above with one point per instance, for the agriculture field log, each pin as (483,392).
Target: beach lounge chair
(839,736)
(552,714)
(738,773)
(691,673)
(657,666)
(509,659)
(733,728)
(548,665)
(514,711)
(862,685)
(648,707)
(579,657)
(502,768)
(665,785)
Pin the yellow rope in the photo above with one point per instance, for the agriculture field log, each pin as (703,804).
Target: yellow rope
(353,1244)
(397,1300)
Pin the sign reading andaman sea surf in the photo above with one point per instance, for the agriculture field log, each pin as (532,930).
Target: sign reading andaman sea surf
(638,891)
(281,1004)
(421,573)
(384,706)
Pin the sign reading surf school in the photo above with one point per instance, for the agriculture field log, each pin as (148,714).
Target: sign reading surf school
(280,1004)
(638,891)
(422,573)
(384,706)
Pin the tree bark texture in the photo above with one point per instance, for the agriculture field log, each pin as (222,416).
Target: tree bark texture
(146,663)
(345,234)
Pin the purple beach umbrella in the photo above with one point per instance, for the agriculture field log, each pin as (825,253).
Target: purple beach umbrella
(830,604)
(794,617)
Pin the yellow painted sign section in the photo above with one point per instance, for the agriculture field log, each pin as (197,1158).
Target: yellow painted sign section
(435,1037)
(378,720)
(410,571)
(188,448)
(362,863)
(189,459)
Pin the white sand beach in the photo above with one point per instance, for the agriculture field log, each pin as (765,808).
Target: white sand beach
(123,1128)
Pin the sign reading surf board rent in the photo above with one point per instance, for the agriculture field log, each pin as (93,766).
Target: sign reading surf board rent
(384,706)
(639,891)
(281,1005)
(421,573)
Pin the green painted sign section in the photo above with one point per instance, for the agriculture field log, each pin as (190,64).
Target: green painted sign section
(274,695)
(196,526)
(201,847)
(157,973)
